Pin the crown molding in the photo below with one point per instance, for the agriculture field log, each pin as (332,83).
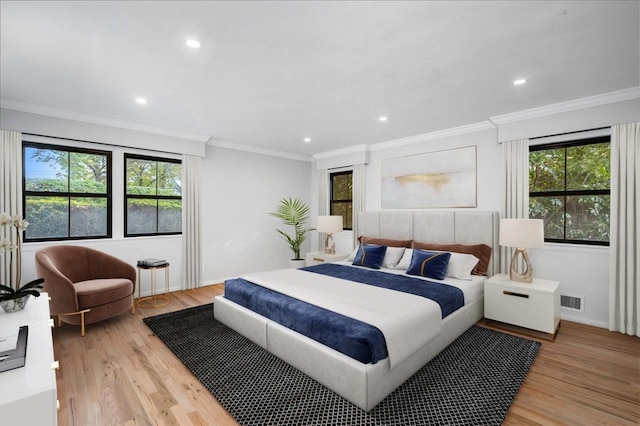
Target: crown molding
(94,119)
(342,151)
(256,150)
(439,134)
(576,104)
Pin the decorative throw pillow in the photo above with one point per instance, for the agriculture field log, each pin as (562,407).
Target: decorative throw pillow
(392,257)
(429,264)
(405,262)
(481,251)
(384,241)
(461,265)
(370,256)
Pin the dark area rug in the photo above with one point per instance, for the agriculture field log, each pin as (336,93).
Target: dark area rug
(471,382)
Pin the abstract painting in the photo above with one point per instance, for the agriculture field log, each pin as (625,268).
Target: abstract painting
(440,179)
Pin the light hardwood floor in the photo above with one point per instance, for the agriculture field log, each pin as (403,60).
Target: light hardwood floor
(121,374)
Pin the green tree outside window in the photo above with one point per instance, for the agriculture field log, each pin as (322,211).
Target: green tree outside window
(569,188)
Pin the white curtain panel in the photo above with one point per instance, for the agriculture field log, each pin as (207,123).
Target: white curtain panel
(516,191)
(358,198)
(11,177)
(323,199)
(624,270)
(10,189)
(191,230)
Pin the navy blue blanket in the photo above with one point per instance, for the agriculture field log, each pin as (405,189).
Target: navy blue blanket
(359,340)
(349,336)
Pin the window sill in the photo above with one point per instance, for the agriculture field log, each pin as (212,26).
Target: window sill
(575,248)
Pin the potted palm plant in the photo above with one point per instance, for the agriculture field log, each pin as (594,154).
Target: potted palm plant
(293,212)
(13,298)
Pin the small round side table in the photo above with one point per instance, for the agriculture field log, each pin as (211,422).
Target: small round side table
(154,300)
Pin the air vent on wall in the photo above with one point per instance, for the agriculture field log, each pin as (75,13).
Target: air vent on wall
(574,303)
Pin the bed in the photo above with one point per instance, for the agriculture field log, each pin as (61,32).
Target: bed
(365,384)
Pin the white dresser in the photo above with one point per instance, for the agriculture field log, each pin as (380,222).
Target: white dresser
(533,305)
(317,257)
(28,394)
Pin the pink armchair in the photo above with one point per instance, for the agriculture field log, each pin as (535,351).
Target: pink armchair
(85,285)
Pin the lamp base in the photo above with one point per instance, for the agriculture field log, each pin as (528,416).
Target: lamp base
(329,245)
(527,275)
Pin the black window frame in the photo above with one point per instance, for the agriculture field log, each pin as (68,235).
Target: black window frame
(333,201)
(108,196)
(565,193)
(147,197)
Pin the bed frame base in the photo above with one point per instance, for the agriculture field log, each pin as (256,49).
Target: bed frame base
(365,385)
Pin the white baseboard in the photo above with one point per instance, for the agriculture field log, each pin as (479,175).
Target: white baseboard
(581,320)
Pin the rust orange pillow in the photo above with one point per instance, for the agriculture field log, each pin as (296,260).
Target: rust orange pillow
(481,251)
(384,242)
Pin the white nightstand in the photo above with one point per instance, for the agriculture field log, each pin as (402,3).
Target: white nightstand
(317,257)
(533,305)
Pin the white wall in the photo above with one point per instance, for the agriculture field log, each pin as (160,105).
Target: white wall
(489,177)
(581,270)
(127,249)
(241,188)
(72,129)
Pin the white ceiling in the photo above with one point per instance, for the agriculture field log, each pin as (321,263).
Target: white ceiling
(271,73)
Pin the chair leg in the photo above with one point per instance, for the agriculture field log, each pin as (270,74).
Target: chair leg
(81,313)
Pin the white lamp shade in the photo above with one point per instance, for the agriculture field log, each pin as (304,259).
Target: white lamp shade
(329,224)
(522,233)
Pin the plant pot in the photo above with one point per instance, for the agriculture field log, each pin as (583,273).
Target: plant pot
(15,305)
(297,263)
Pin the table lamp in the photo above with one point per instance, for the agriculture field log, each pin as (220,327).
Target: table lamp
(329,225)
(521,234)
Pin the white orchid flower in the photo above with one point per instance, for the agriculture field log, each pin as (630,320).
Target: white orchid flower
(21,224)
(5,219)
(5,245)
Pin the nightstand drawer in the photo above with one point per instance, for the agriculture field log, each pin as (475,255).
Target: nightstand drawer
(524,305)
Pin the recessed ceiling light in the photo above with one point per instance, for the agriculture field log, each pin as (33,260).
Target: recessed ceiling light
(519,81)
(307,140)
(141,101)
(382,118)
(195,44)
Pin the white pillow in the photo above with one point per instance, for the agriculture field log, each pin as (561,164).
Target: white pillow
(461,265)
(353,254)
(405,262)
(392,257)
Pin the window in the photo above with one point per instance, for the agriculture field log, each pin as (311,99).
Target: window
(67,192)
(153,196)
(569,187)
(341,197)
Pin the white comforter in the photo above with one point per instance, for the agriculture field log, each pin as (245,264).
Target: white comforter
(407,321)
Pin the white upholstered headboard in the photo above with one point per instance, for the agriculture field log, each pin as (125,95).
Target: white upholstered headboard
(460,227)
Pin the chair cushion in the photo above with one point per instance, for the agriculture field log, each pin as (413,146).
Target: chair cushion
(98,292)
